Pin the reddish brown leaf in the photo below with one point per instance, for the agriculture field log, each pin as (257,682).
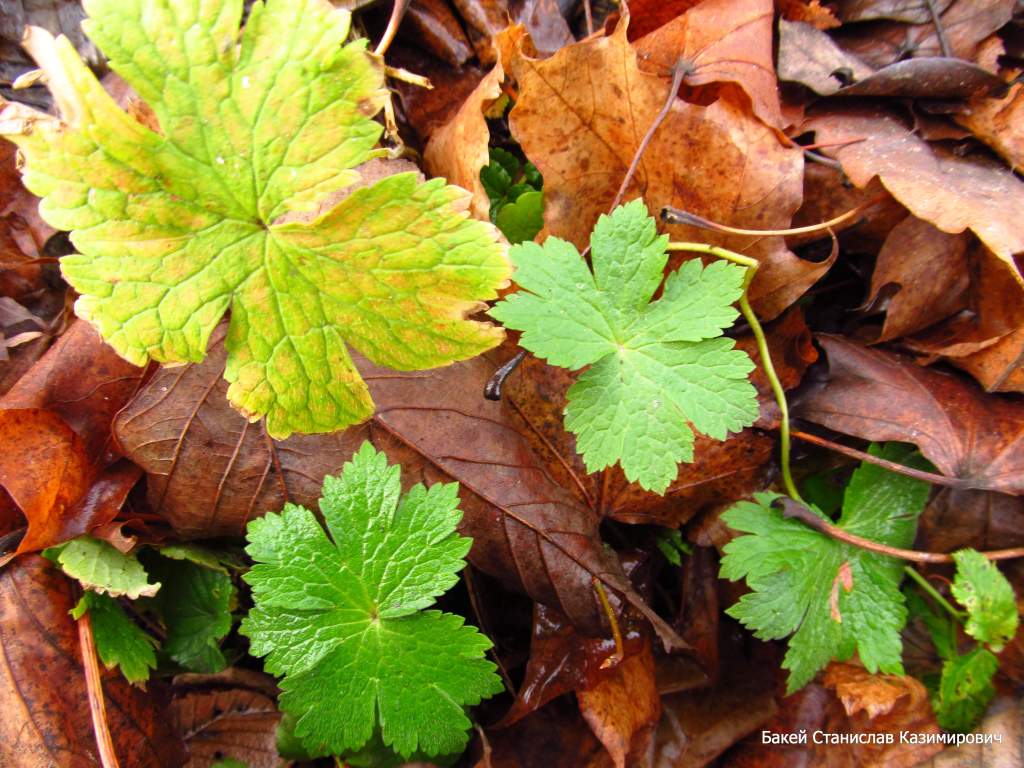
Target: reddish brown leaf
(956,518)
(432,25)
(45,468)
(83,381)
(720,41)
(803,711)
(809,11)
(924,270)
(210,471)
(46,720)
(232,714)
(698,726)
(952,192)
(877,395)
(582,114)
(623,708)
(555,735)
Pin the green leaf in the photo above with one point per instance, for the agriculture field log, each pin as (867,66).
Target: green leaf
(522,220)
(174,229)
(965,690)
(988,597)
(343,618)
(833,598)
(655,368)
(940,626)
(670,542)
(195,605)
(120,642)
(217,560)
(102,568)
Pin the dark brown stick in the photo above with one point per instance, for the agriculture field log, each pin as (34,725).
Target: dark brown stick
(892,466)
(795,511)
(947,50)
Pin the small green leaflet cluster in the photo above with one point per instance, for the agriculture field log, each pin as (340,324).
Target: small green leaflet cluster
(344,618)
(964,689)
(193,601)
(515,192)
(832,598)
(655,368)
(233,206)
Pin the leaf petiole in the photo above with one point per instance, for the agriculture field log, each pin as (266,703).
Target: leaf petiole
(934,594)
(762,348)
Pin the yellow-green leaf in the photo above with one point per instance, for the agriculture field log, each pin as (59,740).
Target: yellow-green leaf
(174,228)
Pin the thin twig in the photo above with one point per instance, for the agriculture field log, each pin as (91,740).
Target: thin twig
(620,649)
(676,216)
(762,348)
(678,73)
(947,51)
(796,511)
(892,466)
(94,687)
(589,14)
(397,14)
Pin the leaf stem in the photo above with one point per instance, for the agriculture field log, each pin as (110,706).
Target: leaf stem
(620,649)
(892,466)
(798,511)
(94,687)
(762,348)
(933,593)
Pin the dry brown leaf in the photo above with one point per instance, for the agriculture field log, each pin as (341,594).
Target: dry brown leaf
(1005,721)
(580,117)
(458,149)
(954,193)
(963,431)
(924,272)
(999,123)
(956,518)
(210,471)
(623,707)
(721,41)
(46,720)
(967,24)
(232,714)
(809,56)
(809,11)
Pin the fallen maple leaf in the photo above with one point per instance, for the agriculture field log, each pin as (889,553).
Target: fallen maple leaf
(42,683)
(716,161)
(999,123)
(720,41)
(880,396)
(174,229)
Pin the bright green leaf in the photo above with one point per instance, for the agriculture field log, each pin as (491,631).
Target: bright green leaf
(195,605)
(965,690)
(343,618)
(174,229)
(670,542)
(522,220)
(833,598)
(988,597)
(655,368)
(218,560)
(120,642)
(102,568)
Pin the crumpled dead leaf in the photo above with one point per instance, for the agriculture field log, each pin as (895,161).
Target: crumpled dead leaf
(952,192)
